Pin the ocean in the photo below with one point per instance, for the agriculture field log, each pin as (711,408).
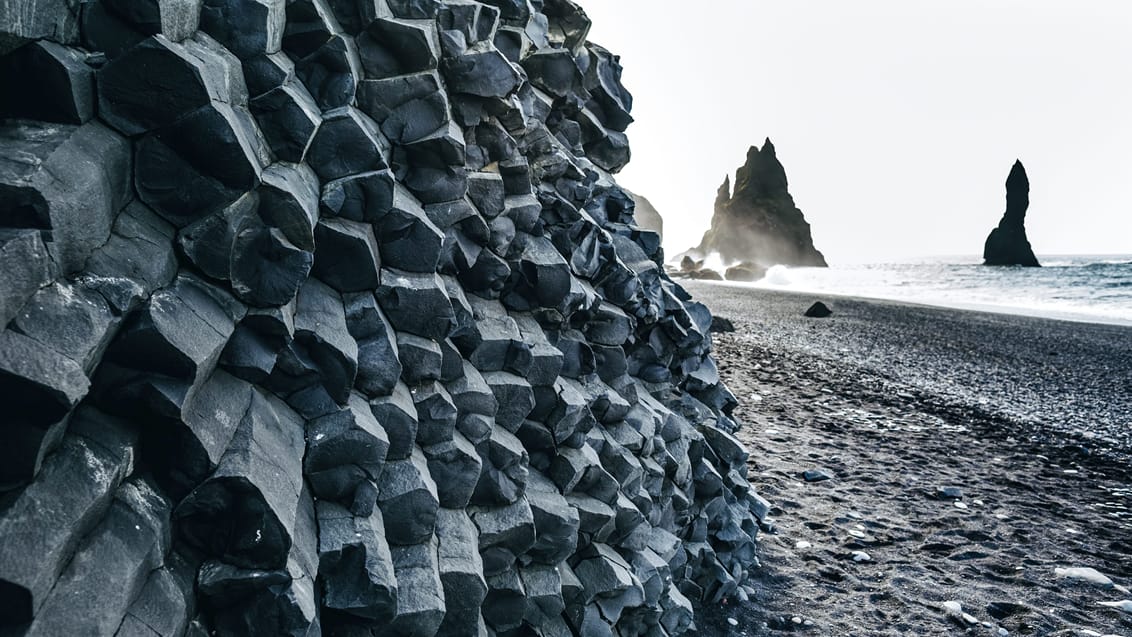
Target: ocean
(1092,288)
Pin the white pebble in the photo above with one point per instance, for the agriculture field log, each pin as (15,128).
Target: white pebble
(960,505)
(1086,574)
(802,544)
(952,607)
(955,609)
(856,533)
(861,556)
(979,503)
(797,620)
(1123,605)
(732,621)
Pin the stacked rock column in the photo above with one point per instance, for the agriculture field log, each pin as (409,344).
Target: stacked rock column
(329,316)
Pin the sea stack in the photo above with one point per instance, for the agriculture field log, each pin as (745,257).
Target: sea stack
(758,224)
(1007,244)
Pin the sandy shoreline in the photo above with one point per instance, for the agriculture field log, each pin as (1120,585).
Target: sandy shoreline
(1028,418)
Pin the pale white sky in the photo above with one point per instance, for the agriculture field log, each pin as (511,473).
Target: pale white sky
(897,120)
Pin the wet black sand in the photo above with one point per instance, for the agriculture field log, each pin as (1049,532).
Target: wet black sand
(1029,418)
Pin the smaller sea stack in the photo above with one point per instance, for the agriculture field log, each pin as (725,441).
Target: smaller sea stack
(1007,244)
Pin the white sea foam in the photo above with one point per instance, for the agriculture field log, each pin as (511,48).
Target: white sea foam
(1083,288)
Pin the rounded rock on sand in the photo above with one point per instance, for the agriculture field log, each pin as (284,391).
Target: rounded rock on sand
(819,310)
(816,475)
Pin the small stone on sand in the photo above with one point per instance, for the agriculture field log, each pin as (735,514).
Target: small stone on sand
(946,493)
(816,475)
(861,556)
(960,505)
(1085,574)
(802,544)
(732,621)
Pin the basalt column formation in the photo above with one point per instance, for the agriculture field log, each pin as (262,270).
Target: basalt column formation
(328,317)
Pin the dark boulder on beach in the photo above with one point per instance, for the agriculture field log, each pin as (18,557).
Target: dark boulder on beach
(819,310)
(759,222)
(720,324)
(745,271)
(1007,244)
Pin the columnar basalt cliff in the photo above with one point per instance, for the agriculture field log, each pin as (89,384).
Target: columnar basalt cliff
(329,316)
(647,216)
(758,223)
(1007,244)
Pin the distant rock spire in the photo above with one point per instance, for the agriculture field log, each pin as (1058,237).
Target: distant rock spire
(723,195)
(757,223)
(1007,244)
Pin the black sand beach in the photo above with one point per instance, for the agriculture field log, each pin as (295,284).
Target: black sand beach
(1026,422)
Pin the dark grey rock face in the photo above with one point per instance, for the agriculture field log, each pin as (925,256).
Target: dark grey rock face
(758,223)
(1007,244)
(324,316)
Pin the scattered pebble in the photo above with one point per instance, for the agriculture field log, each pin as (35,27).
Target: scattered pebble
(944,493)
(732,621)
(955,610)
(802,544)
(861,556)
(1085,574)
(960,505)
(857,534)
(796,620)
(816,475)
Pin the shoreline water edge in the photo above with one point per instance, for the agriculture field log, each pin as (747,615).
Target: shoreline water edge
(929,471)
(1078,288)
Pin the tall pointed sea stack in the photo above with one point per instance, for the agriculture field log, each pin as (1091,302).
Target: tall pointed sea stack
(1007,244)
(759,222)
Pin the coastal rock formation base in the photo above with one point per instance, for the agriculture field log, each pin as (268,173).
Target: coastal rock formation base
(329,317)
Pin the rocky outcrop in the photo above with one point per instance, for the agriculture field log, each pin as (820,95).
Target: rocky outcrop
(758,223)
(322,316)
(1007,244)
(647,216)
